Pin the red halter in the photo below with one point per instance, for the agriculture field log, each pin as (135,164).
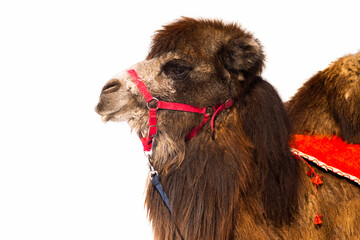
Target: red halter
(147,141)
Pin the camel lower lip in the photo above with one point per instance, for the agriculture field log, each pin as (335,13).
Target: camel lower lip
(109,116)
(105,118)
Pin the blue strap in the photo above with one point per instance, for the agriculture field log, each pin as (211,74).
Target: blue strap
(156,182)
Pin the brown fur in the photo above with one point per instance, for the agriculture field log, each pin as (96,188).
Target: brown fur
(240,182)
(329,103)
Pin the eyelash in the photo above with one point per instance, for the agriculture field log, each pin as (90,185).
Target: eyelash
(177,69)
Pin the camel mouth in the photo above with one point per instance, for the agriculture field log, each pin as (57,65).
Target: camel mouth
(105,118)
(109,116)
(115,116)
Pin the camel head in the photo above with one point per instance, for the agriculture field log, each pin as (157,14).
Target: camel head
(197,62)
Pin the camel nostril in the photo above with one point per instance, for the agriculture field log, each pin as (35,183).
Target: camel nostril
(111,86)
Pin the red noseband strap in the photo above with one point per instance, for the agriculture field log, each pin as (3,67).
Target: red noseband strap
(147,141)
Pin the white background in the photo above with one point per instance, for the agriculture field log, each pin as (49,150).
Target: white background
(66,175)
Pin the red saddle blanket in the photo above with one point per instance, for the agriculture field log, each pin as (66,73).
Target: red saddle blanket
(332,154)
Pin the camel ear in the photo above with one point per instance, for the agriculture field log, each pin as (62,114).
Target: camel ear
(242,56)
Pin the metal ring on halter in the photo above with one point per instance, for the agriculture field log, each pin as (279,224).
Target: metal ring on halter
(152,171)
(154,99)
(152,174)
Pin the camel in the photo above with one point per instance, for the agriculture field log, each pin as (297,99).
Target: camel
(217,137)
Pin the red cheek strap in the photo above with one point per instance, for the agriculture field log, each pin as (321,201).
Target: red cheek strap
(147,141)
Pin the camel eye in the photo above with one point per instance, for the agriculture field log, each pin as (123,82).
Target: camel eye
(177,69)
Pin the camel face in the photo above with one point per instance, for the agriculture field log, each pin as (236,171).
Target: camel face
(169,78)
(121,100)
(205,64)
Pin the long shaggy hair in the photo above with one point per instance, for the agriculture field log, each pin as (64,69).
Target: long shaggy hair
(242,171)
